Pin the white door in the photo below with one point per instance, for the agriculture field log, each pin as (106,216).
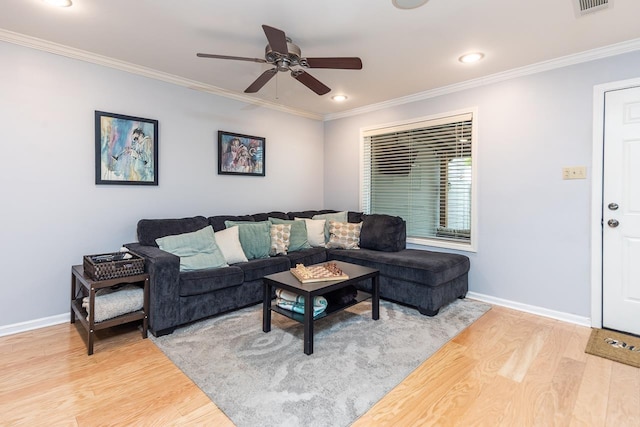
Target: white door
(621,212)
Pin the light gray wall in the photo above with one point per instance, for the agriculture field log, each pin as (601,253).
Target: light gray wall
(533,244)
(53,213)
(533,227)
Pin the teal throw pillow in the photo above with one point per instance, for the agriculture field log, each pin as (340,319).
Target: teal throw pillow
(197,250)
(255,237)
(337,217)
(298,239)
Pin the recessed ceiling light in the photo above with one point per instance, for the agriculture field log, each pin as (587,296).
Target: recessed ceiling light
(408,4)
(471,57)
(59,3)
(339,98)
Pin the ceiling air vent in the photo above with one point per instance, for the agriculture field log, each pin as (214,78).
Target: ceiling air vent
(588,6)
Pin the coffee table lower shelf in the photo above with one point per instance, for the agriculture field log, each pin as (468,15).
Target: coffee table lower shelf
(299,317)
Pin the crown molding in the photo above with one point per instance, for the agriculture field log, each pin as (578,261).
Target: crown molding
(578,58)
(59,49)
(82,55)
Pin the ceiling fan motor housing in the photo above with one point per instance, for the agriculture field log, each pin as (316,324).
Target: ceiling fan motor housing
(284,62)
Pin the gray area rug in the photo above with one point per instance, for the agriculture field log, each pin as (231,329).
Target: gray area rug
(265,379)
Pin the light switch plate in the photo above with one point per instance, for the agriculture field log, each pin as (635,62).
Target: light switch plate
(574,172)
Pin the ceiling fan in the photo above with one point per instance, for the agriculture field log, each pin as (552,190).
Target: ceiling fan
(283,54)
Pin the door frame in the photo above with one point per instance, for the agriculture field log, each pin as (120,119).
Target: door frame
(597,173)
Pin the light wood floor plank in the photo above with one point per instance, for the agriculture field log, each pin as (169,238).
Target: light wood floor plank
(421,388)
(509,368)
(591,404)
(624,396)
(523,356)
(491,405)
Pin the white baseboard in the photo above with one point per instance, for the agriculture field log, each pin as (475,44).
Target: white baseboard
(539,311)
(34,324)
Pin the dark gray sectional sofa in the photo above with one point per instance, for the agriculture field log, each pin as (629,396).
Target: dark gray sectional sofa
(422,279)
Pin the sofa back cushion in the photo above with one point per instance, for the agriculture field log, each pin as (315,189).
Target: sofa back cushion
(353,217)
(308,214)
(266,215)
(151,229)
(217,222)
(383,233)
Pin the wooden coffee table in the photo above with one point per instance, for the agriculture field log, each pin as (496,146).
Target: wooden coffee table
(288,281)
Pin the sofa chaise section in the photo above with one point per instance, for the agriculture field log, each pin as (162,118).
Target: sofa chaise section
(422,279)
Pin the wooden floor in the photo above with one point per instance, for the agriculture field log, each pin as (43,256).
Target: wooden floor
(507,369)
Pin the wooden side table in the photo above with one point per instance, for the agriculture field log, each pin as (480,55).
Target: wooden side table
(82,286)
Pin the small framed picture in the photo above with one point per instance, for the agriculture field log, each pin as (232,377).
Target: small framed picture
(240,154)
(126,149)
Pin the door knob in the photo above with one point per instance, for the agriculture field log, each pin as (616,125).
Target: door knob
(613,206)
(613,223)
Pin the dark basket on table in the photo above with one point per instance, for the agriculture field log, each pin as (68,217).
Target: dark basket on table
(111,266)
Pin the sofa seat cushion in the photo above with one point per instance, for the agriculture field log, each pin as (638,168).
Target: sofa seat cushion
(307,257)
(205,281)
(151,229)
(258,268)
(414,265)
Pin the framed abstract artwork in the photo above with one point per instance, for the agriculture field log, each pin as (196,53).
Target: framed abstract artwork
(240,154)
(126,149)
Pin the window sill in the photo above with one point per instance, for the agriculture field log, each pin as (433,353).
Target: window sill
(444,244)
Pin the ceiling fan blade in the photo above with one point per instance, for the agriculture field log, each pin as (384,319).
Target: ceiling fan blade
(261,81)
(277,39)
(339,63)
(311,82)
(237,58)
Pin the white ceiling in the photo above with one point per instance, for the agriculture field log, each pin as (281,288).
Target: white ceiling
(404,52)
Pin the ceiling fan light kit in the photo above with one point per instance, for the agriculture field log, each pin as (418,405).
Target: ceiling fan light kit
(408,4)
(59,3)
(284,55)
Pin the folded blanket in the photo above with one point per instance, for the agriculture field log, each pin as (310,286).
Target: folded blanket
(294,302)
(115,302)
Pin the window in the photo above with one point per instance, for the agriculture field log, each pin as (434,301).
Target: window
(424,172)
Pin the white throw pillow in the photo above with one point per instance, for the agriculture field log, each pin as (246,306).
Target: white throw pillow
(315,231)
(228,241)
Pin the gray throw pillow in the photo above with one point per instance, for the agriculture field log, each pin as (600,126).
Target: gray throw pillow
(383,233)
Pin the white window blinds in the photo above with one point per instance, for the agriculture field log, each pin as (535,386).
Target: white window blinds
(422,172)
